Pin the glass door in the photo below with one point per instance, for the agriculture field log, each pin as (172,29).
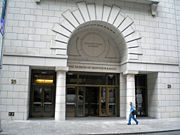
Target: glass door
(103,106)
(80,109)
(92,94)
(37,101)
(108,101)
(70,101)
(112,101)
(42,98)
(141,95)
(48,101)
(42,101)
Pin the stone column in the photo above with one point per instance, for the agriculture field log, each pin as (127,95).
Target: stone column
(122,95)
(130,92)
(60,105)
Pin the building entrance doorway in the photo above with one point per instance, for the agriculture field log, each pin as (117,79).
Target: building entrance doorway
(141,95)
(42,101)
(91,101)
(85,97)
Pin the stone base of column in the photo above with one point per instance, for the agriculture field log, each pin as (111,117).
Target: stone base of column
(60,113)
(60,116)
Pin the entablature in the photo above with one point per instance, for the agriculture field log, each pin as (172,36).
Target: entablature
(152,3)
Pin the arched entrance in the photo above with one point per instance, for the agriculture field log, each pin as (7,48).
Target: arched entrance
(90,91)
(95,39)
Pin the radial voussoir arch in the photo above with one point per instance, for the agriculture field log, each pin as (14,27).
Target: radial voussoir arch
(73,19)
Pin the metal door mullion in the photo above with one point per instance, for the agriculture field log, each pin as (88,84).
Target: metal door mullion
(107,101)
(100,113)
(76,105)
(117,101)
(84,101)
(31,100)
(42,102)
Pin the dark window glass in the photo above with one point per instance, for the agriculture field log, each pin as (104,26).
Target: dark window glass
(71,78)
(111,79)
(93,79)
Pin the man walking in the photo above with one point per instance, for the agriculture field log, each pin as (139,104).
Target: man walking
(131,115)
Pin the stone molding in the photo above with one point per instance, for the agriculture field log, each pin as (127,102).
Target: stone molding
(130,72)
(36,56)
(62,69)
(73,19)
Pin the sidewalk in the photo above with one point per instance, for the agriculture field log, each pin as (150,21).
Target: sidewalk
(87,126)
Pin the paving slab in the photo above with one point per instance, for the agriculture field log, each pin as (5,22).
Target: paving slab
(82,126)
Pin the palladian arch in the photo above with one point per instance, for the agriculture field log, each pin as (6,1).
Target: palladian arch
(97,19)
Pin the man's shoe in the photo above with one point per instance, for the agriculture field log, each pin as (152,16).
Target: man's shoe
(137,123)
(128,124)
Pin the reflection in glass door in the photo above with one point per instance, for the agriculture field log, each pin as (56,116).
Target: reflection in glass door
(80,110)
(37,101)
(48,101)
(103,103)
(112,104)
(70,101)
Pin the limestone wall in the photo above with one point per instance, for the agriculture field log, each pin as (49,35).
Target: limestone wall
(14,96)
(29,28)
(27,44)
(177,5)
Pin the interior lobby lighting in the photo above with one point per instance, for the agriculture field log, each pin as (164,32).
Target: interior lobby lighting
(44,81)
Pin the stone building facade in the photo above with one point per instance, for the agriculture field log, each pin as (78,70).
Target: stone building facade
(131,40)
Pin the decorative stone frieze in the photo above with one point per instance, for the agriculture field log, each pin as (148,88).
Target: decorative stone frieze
(153,3)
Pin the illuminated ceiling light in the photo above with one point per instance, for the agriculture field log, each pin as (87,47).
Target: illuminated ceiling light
(44,81)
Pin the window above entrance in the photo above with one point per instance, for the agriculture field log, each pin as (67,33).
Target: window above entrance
(84,78)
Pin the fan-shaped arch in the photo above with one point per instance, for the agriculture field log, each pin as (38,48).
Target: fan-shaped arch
(73,19)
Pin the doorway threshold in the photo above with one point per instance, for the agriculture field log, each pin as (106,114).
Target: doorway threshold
(94,118)
(41,118)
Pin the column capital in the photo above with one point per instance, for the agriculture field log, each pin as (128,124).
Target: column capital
(62,69)
(130,72)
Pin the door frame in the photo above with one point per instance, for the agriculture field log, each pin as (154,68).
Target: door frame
(107,102)
(77,87)
(33,85)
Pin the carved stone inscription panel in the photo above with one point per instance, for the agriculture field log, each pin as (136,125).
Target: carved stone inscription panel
(92,44)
